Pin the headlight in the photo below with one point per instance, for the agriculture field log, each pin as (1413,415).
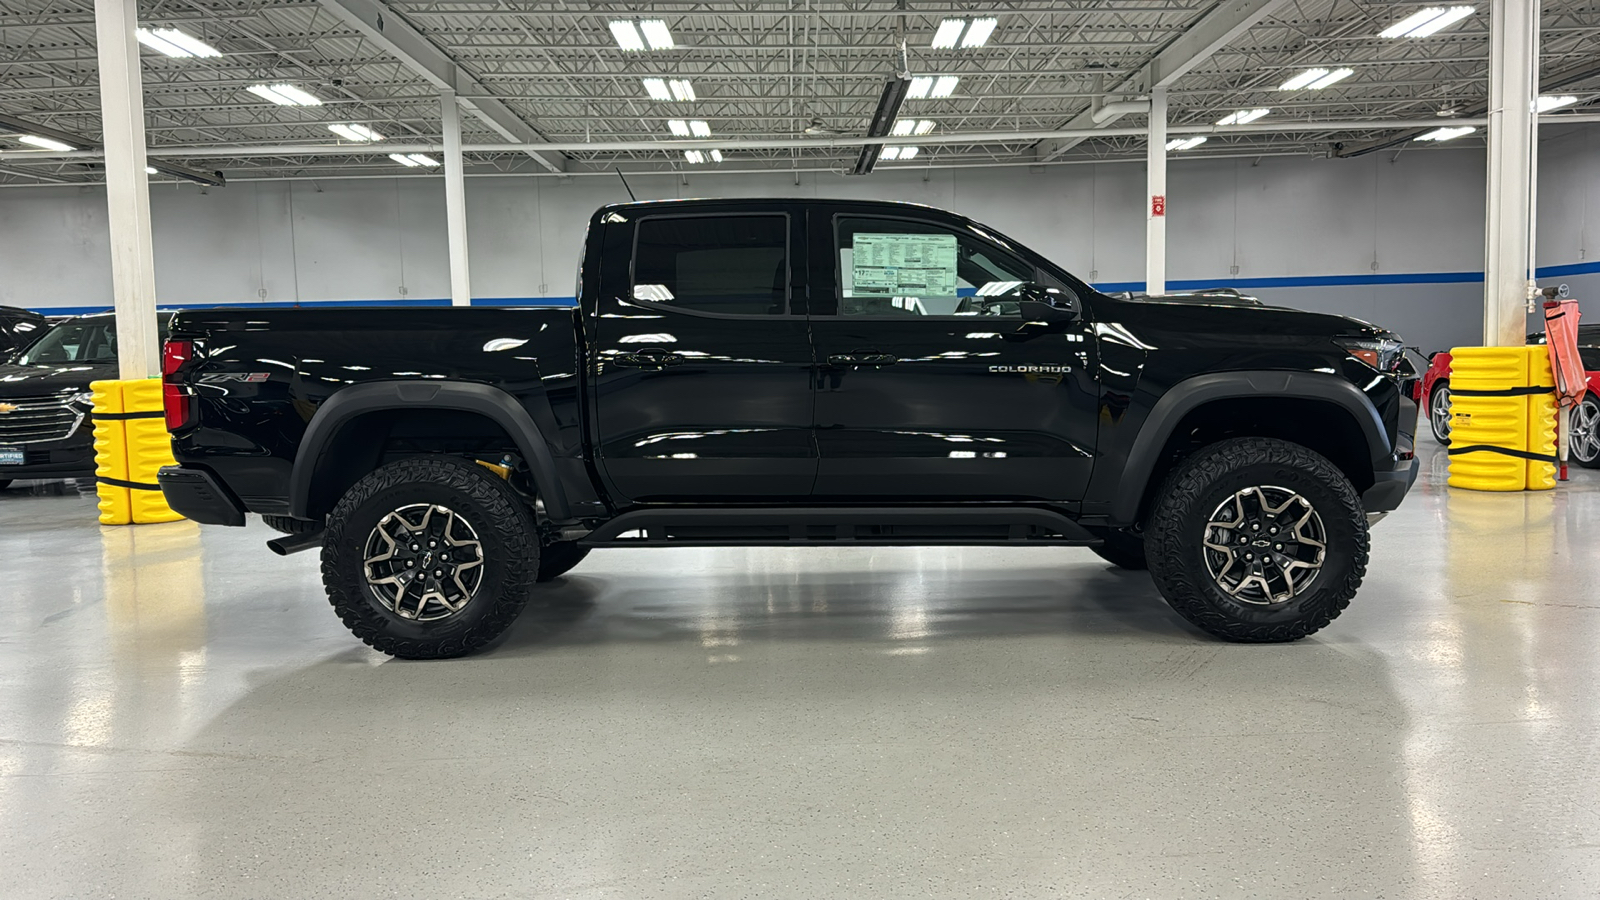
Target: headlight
(1381,353)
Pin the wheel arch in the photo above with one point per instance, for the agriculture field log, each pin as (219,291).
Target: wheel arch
(331,428)
(1352,436)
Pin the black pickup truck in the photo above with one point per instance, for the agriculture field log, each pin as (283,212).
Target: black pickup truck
(794,372)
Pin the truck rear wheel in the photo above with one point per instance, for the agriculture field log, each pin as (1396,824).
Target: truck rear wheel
(1258,540)
(429,557)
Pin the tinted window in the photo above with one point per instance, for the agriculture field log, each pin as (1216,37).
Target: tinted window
(80,342)
(717,264)
(897,267)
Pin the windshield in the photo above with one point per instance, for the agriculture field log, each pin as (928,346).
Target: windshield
(74,342)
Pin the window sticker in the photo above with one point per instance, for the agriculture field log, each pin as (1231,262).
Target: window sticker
(904,265)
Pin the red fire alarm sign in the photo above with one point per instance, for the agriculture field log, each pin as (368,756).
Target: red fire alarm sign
(1158,205)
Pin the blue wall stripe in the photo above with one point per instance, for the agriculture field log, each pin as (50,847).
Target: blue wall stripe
(1194,284)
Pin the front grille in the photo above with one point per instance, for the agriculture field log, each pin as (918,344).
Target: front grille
(36,420)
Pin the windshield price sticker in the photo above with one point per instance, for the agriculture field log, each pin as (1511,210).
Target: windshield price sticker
(901,265)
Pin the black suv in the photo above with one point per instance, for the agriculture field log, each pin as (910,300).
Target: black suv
(787,373)
(45,406)
(18,329)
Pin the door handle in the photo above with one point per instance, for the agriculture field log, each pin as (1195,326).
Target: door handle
(648,358)
(848,360)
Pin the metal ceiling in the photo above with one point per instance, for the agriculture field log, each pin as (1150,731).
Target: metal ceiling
(761,70)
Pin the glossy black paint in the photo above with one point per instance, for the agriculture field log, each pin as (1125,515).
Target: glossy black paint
(644,404)
(18,328)
(72,456)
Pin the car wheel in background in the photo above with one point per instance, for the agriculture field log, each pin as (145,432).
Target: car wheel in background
(1583,445)
(1439,412)
(1258,540)
(430,557)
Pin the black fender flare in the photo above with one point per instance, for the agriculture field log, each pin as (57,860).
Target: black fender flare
(466,396)
(1190,393)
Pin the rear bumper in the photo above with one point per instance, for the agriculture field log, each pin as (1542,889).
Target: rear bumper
(197,495)
(1389,487)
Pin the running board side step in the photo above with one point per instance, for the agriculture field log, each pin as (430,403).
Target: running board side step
(860,526)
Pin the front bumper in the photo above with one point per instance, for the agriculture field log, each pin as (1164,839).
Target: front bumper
(197,495)
(70,458)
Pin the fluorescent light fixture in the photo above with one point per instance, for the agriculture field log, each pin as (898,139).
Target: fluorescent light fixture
(657,34)
(1548,102)
(657,89)
(678,127)
(1242,117)
(924,126)
(44,142)
(627,35)
(404,160)
(889,154)
(682,90)
(1302,80)
(716,156)
(361,134)
(174,43)
(1442,19)
(945,86)
(694,156)
(284,94)
(423,159)
(909,153)
(1186,143)
(903,127)
(978,32)
(700,128)
(949,32)
(150,170)
(1447,134)
(920,86)
(1334,77)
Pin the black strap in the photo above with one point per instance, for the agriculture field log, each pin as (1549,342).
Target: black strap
(1490,448)
(157,414)
(134,485)
(1508,392)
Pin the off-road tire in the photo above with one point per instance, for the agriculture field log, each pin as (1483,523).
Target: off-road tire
(290,525)
(1196,488)
(1440,392)
(504,525)
(559,558)
(1590,406)
(1123,549)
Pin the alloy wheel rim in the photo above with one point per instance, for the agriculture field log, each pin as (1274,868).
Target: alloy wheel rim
(1585,439)
(423,562)
(1440,411)
(1265,545)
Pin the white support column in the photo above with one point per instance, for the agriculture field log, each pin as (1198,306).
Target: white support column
(1513,143)
(455,201)
(133,263)
(1155,210)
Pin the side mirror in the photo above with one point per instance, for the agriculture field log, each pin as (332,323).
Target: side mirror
(1039,303)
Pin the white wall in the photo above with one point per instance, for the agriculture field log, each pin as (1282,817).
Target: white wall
(1377,218)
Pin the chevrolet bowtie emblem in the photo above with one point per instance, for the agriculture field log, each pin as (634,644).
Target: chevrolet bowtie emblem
(9,407)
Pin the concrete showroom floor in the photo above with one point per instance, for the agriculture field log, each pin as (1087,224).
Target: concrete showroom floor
(181,715)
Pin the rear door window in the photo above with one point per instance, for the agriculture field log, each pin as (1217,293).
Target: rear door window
(718,264)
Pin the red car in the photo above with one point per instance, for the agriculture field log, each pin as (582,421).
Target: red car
(1433,394)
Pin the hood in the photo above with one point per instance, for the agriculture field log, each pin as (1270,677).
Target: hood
(38,381)
(1204,322)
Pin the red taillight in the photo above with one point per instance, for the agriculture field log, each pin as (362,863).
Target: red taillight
(176,400)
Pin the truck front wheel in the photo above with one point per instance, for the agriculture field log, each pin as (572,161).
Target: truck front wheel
(429,557)
(1258,540)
